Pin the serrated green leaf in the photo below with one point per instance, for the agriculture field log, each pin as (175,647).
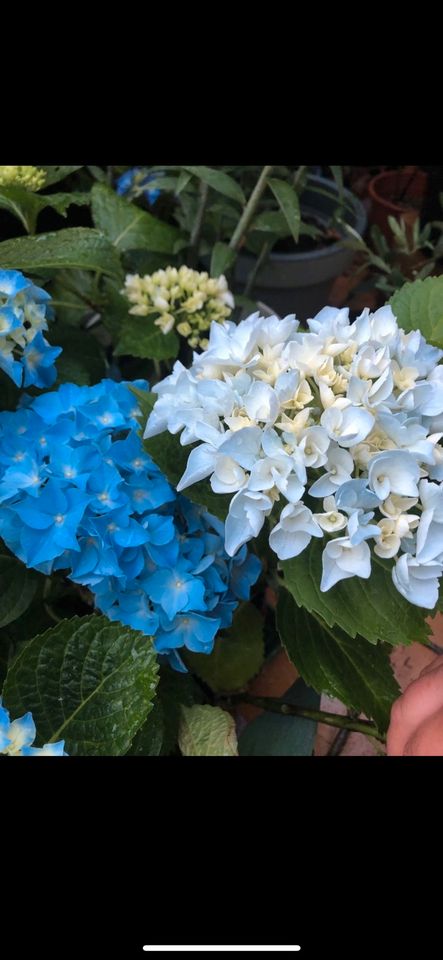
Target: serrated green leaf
(221,259)
(128,226)
(26,205)
(219,181)
(86,681)
(17,588)
(77,247)
(275,735)
(237,655)
(372,608)
(349,668)
(57,173)
(167,452)
(207,732)
(289,204)
(149,739)
(419,306)
(141,338)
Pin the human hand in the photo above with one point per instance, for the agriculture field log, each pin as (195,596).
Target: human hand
(416,727)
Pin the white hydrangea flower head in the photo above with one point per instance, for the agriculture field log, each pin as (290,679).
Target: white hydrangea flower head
(181,298)
(350,413)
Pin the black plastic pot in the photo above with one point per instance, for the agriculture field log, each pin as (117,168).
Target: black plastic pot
(300,282)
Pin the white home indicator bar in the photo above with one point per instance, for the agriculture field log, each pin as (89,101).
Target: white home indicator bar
(200,949)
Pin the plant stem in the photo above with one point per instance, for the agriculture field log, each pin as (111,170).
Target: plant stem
(276,705)
(198,224)
(260,259)
(249,210)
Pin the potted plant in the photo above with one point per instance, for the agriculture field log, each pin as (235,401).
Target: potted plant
(296,277)
(398,194)
(276,231)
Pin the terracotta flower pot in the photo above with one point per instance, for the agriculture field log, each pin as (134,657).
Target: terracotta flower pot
(399,194)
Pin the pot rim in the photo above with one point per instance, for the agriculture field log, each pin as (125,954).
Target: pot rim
(420,176)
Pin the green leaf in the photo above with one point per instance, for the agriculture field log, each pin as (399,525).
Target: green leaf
(74,294)
(127,226)
(173,691)
(337,173)
(17,588)
(115,310)
(86,681)
(349,668)
(149,739)
(272,221)
(171,457)
(237,655)
(419,306)
(75,247)
(289,204)
(141,338)
(54,174)
(219,181)
(26,205)
(182,182)
(98,174)
(372,608)
(222,258)
(274,735)
(207,732)
(82,360)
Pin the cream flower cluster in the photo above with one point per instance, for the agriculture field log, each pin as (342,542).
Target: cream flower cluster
(347,414)
(29,177)
(182,298)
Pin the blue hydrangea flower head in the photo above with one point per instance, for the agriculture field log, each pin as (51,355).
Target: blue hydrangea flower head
(134,182)
(25,356)
(80,494)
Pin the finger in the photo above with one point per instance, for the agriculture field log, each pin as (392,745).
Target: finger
(422,698)
(427,740)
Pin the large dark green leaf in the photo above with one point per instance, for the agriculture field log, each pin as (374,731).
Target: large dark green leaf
(149,739)
(171,457)
(17,588)
(75,247)
(86,681)
(237,655)
(372,608)
(274,735)
(207,731)
(289,204)
(219,181)
(419,306)
(26,205)
(349,668)
(141,338)
(127,226)
(54,174)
